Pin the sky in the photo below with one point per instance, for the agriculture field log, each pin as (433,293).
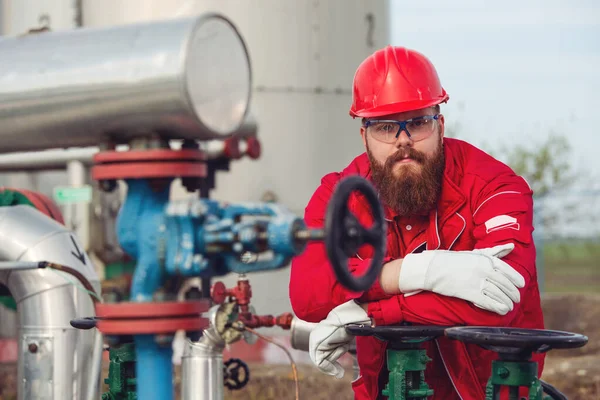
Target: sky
(515,70)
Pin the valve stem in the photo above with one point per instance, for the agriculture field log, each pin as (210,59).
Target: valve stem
(310,234)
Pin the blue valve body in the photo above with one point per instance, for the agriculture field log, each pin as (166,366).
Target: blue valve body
(198,237)
(207,238)
(201,237)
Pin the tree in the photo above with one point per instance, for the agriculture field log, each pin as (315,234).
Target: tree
(544,165)
(565,204)
(564,199)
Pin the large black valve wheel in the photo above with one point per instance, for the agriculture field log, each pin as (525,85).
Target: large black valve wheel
(397,333)
(517,341)
(345,235)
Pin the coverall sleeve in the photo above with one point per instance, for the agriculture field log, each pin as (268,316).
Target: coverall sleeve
(502,213)
(314,290)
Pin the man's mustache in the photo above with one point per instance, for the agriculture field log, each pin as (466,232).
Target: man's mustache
(405,153)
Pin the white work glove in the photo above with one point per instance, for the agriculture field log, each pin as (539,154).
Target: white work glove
(478,276)
(329,340)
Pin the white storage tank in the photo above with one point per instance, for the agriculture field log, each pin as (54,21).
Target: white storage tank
(304,55)
(19,16)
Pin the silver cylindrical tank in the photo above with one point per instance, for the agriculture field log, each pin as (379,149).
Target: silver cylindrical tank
(202,368)
(55,360)
(187,78)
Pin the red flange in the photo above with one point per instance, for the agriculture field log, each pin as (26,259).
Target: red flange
(148,155)
(131,318)
(148,164)
(150,326)
(147,170)
(151,310)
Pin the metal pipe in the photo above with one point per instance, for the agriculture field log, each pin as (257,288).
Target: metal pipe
(179,78)
(19,265)
(153,369)
(54,358)
(202,367)
(137,227)
(77,215)
(59,159)
(300,333)
(55,159)
(96,369)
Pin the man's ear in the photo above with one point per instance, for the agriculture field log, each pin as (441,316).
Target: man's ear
(363,135)
(442,124)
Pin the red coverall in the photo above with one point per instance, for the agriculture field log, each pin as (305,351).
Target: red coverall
(475,189)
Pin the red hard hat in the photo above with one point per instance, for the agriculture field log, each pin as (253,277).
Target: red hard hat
(394,80)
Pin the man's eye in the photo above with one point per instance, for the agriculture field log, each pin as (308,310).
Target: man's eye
(386,127)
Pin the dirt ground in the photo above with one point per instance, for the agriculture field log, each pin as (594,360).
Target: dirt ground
(575,372)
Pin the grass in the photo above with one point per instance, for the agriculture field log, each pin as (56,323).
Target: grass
(570,266)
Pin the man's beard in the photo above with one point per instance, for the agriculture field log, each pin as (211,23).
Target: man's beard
(414,191)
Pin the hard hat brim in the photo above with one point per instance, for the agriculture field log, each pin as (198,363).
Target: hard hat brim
(396,108)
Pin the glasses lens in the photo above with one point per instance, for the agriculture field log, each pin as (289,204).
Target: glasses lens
(421,128)
(383,131)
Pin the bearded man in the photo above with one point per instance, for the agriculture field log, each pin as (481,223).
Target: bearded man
(459,237)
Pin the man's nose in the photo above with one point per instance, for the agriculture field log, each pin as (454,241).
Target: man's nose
(403,140)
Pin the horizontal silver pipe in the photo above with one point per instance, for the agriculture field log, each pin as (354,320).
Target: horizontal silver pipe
(45,160)
(57,159)
(179,78)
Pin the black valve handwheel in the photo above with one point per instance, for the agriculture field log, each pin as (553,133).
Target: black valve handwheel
(517,340)
(236,374)
(345,235)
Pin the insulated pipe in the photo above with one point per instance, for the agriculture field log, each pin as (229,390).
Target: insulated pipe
(92,390)
(55,360)
(180,78)
(202,367)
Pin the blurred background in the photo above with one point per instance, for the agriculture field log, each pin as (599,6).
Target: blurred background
(522,77)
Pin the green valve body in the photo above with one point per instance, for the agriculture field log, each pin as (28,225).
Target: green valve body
(407,375)
(121,379)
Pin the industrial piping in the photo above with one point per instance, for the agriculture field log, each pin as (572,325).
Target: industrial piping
(55,360)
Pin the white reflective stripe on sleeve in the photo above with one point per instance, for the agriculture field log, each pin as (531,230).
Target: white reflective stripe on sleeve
(494,195)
